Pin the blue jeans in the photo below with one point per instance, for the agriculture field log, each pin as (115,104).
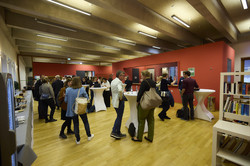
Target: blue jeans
(118,121)
(76,125)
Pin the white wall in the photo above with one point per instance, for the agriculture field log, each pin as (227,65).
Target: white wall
(242,50)
(22,71)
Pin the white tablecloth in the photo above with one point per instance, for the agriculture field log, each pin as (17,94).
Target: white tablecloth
(98,99)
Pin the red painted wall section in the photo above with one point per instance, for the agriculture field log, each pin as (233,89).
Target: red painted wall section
(208,61)
(52,69)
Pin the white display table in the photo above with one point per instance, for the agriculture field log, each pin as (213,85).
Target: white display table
(131,96)
(98,99)
(85,86)
(201,111)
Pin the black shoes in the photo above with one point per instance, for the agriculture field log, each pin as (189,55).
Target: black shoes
(52,120)
(166,117)
(70,132)
(115,135)
(122,135)
(62,135)
(146,138)
(135,140)
(162,118)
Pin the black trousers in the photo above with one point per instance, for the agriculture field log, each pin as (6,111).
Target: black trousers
(106,97)
(188,99)
(165,107)
(41,112)
(48,102)
(92,96)
(76,125)
(67,123)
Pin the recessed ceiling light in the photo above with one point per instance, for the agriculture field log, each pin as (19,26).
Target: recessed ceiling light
(69,7)
(112,48)
(93,56)
(50,45)
(52,37)
(156,47)
(181,46)
(210,39)
(125,42)
(41,49)
(143,33)
(244,4)
(80,63)
(69,59)
(180,21)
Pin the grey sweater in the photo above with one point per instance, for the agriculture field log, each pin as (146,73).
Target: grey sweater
(46,88)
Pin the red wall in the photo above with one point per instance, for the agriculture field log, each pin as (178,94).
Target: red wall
(208,60)
(52,69)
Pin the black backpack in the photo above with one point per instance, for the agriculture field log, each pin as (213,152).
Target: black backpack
(131,129)
(180,113)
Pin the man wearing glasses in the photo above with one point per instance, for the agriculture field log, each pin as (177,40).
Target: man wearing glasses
(118,104)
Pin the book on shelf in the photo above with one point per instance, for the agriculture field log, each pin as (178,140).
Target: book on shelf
(236,106)
(237,88)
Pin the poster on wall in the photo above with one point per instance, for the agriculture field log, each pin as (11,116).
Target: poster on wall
(192,71)
(135,75)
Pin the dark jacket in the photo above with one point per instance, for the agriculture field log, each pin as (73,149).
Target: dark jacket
(145,87)
(36,90)
(181,83)
(57,85)
(128,85)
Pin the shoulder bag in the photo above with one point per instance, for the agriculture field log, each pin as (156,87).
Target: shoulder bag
(80,104)
(150,99)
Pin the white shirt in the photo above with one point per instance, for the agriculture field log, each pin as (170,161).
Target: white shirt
(107,84)
(117,91)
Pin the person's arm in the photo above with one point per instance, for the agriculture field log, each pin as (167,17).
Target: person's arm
(141,91)
(172,83)
(84,93)
(52,92)
(196,85)
(61,95)
(183,87)
(120,90)
(66,95)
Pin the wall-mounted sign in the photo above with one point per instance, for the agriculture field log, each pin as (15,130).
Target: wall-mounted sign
(192,71)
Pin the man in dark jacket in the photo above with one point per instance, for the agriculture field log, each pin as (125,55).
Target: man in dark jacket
(128,84)
(37,96)
(57,85)
(188,87)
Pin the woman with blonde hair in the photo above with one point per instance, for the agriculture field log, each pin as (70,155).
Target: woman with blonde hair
(143,115)
(71,95)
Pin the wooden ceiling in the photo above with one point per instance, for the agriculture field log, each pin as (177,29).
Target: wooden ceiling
(49,31)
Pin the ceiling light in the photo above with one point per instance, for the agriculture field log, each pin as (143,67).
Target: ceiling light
(52,37)
(181,46)
(80,63)
(93,56)
(69,59)
(112,48)
(69,7)
(210,39)
(156,47)
(180,21)
(143,33)
(244,4)
(40,49)
(53,25)
(50,45)
(125,42)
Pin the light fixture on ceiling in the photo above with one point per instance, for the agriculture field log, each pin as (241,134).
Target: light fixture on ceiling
(80,63)
(210,40)
(41,49)
(52,37)
(50,45)
(180,21)
(143,33)
(181,46)
(112,48)
(69,59)
(244,4)
(54,25)
(125,42)
(156,47)
(93,56)
(69,7)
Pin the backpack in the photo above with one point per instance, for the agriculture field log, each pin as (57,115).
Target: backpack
(131,129)
(180,113)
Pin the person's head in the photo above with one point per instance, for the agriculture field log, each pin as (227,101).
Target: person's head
(186,74)
(83,79)
(42,77)
(45,80)
(111,76)
(76,83)
(63,78)
(145,74)
(164,75)
(57,77)
(68,82)
(104,80)
(120,74)
(94,79)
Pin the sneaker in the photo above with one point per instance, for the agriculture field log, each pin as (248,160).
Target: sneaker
(114,135)
(70,132)
(77,142)
(63,136)
(122,135)
(90,138)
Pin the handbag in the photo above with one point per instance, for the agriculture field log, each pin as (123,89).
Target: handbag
(150,99)
(80,104)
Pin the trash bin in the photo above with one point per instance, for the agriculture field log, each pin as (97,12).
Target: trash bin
(211,103)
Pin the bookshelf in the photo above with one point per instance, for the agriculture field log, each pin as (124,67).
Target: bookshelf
(231,117)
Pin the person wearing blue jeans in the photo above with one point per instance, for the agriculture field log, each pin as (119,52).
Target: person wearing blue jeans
(118,104)
(118,121)
(76,125)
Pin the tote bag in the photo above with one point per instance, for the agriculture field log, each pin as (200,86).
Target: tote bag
(80,104)
(150,99)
